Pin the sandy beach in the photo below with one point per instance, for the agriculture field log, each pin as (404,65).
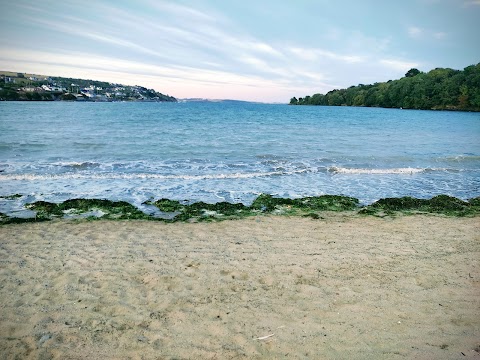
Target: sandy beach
(266,287)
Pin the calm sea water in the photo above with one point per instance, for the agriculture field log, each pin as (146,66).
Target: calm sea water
(231,151)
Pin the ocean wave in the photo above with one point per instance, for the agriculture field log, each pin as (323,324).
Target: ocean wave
(77,165)
(341,170)
(133,176)
(462,158)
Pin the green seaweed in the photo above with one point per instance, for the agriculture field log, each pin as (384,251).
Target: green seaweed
(45,209)
(113,209)
(202,211)
(167,205)
(5,219)
(11,197)
(441,204)
(263,204)
(475,202)
(328,203)
(268,203)
(17,220)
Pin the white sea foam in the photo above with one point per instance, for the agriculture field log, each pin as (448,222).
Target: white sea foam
(76,164)
(341,170)
(133,176)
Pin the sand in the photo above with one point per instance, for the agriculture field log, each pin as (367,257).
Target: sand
(342,287)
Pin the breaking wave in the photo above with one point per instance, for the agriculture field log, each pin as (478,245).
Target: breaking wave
(341,170)
(133,176)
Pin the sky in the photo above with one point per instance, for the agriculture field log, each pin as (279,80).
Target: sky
(255,50)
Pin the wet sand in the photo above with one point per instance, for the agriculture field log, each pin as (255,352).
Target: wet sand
(342,287)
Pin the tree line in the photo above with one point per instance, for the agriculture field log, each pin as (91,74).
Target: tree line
(438,89)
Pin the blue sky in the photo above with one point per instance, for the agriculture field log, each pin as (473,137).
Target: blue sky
(260,50)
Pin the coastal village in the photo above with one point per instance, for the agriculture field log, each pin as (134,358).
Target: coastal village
(31,87)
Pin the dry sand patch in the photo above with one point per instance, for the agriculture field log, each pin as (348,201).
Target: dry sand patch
(345,287)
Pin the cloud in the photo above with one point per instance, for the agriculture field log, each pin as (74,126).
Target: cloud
(304,54)
(420,33)
(313,54)
(265,48)
(181,11)
(192,51)
(87,60)
(439,35)
(189,45)
(398,65)
(180,81)
(359,42)
(414,31)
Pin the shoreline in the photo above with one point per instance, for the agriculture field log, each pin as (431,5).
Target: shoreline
(264,286)
(167,210)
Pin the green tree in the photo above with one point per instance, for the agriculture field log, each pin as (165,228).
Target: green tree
(463,98)
(437,89)
(412,72)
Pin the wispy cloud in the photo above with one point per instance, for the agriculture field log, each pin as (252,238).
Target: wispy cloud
(439,35)
(92,61)
(175,80)
(416,32)
(359,42)
(399,65)
(194,50)
(313,54)
(182,11)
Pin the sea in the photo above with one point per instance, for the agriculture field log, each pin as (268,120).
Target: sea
(231,151)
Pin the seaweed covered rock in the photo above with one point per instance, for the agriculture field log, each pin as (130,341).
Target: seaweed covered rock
(390,205)
(115,209)
(475,202)
(268,203)
(204,211)
(11,197)
(45,209)
(110,209)
(444,203)
(4,220)
(441,204)
(328,203)
(167,205)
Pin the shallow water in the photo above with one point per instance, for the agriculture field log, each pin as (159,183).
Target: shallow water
(232,151)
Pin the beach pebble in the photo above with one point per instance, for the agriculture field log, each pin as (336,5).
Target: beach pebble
(142,338)
(44,338)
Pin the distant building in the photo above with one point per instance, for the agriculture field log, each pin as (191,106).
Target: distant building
(74,88)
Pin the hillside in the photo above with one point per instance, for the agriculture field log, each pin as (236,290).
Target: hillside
(438,89)
(22,86)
